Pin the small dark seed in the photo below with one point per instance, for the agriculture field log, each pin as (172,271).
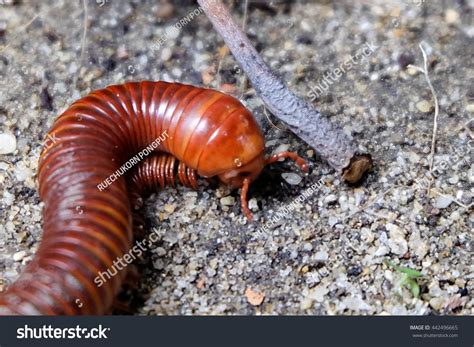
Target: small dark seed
(406,59)
(109,64)
(305,40)
(46,101)
(354,271)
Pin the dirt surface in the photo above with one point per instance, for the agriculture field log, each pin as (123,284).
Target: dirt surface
(332,253)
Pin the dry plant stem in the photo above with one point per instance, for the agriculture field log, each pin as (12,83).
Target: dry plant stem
(435,120)
(84,32)
(243,79)
(301,117)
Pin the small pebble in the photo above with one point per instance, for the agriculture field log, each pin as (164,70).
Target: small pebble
(332,221)
(417,245)
(8,198)
(281,148)
(451,16)
(291,178)
(306,304)
(3,27)
(165,11)
(330,199)
(413,157)
(253,205)
(319,292)
(213,263)
(18,256)
(397,243)
(454,179)
(397,138)
(424,106)
(255,298)
(228,200)
(166,54)
(443,201)
(7,143)
(412,71)
(122,52)
(173,32)
(321,256)
(169,208)
(437,303)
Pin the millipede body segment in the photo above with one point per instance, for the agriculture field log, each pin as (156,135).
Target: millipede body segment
(88,223)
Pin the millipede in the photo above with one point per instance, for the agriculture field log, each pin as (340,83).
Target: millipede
(88,223)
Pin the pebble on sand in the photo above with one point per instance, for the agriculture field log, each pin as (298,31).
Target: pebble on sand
(18,256)
(7,143)
(424,106)
(443,201)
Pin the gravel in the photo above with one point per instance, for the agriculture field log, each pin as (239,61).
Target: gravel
(326,256)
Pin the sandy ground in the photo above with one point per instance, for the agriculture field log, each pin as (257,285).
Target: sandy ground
(329,256)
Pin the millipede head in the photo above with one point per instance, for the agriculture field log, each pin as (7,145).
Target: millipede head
(246,174)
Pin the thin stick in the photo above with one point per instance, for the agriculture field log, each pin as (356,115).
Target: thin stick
(83,42)
(84,33)
(243,79)
(435,120)
(301,117)
(21,29)
(467,207)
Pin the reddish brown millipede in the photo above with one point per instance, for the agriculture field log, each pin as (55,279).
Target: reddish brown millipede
(209,134)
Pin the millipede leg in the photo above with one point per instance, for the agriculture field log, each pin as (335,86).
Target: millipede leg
(182,174)
(243,199)
(159,171)
(170,171)
(291,155)
(192,177)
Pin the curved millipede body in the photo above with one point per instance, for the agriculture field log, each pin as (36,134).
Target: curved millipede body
(162,132)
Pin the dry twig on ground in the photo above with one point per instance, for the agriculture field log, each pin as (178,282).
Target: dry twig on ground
(436,113)
(301,117)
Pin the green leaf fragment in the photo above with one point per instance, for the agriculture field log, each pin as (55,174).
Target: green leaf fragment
(408,278)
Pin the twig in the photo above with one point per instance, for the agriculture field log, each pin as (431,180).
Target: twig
(2,48)
(84,33)
(243,79)
(467,207)
(83,42)
(435,121)
(301,117)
